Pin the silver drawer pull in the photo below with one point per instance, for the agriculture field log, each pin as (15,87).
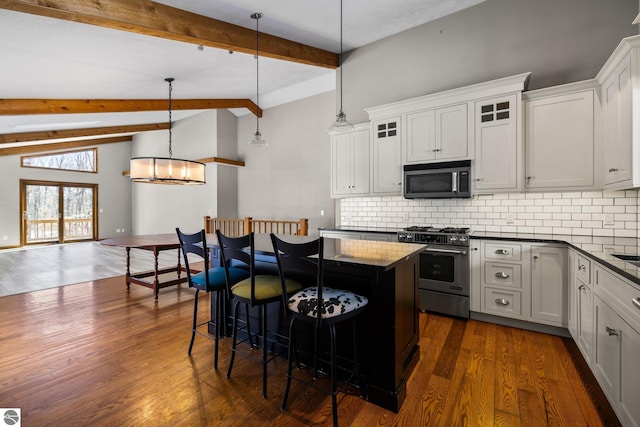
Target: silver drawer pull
(636,302)
(502,275)
(502,301)
(582,267)
(502,252)
(611,331)
(582,288)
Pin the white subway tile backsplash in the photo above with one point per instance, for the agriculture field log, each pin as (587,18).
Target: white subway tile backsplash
(577,213)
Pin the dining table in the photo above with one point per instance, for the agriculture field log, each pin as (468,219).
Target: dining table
(157,278)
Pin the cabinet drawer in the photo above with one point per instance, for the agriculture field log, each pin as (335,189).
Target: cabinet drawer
(503,302)
(620,295)
(583,269)
(500,250)
(502,274)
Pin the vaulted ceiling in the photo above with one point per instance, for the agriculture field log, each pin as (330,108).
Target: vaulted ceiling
(95,68)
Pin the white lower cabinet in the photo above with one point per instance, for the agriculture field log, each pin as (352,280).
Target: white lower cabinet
(549,284)
(524,281)
(617,343)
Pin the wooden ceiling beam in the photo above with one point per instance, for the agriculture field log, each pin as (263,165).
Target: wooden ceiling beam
(11,107)
(76,133)
(56,146)
(158,20)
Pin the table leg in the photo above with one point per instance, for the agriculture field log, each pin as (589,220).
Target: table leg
(179,266)
(156,279)
(128,276)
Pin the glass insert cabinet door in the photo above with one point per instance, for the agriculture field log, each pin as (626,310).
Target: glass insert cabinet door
(54,212)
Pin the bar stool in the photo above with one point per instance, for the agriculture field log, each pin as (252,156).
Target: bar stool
(316,304)
(255,291)
(208,280)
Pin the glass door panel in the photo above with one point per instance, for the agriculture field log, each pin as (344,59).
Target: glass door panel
(78,213)
(41,213)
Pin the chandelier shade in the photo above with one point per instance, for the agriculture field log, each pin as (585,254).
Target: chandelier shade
(164,170)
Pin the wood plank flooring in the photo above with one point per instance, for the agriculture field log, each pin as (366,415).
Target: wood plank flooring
(95,354)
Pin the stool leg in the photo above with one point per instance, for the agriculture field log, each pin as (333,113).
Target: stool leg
(334,399)
(264,350)
(234,338)
(195,320)
(217,326)
(356,365)
(292,340)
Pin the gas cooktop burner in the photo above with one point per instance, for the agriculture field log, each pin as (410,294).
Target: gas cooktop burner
(429,229)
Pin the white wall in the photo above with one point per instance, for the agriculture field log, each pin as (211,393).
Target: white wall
(557,41)
(114,190)
(159,209)
(289,179)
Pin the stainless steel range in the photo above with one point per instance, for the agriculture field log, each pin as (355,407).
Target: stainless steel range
(445,283)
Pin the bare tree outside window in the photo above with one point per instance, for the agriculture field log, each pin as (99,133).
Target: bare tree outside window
(80,161)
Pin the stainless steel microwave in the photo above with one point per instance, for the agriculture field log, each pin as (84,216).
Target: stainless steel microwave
(445,180)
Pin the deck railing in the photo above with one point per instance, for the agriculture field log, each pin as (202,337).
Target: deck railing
(46,230)
(240,226)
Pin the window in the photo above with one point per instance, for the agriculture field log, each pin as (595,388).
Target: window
(79,161)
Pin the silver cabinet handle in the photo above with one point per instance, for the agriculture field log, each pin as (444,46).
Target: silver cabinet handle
(582,267)
(613,170)
(502,275)
(535,257)
(502,301)
(502,252)
(611,331)
(582,288)
(636,302)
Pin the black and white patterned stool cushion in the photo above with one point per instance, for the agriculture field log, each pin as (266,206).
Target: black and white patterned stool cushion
(335,302)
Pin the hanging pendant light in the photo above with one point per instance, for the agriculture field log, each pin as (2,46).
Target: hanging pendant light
(163,170)
(341,124)
(257,140)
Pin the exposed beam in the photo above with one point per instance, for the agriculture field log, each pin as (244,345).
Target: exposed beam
(223,161)
(40,148)
(155,19)
(75,133)
(13,107)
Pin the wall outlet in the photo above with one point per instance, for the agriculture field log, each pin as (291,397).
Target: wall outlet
(510,217)
(5,237)
(117,230)
(405,216)
(322,212)
(608,219)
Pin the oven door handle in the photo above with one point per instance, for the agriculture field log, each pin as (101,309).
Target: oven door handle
(445,251)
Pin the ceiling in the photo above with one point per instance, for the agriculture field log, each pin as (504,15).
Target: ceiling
(46,58)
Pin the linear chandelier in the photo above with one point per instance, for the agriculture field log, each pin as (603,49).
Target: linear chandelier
(167,170)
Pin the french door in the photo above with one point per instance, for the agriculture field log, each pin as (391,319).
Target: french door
(57,212)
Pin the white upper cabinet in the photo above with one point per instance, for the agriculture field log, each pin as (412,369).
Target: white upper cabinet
(560,137)
(350,162)
(619,79)
(439,134)
(497,145)
(387,156)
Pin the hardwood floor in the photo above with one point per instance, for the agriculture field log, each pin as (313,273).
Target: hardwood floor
(93,354)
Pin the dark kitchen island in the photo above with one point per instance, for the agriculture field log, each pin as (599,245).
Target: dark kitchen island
(387,274)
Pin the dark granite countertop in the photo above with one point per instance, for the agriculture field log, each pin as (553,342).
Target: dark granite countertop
(598,248)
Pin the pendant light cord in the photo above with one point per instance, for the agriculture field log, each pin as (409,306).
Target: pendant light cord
(257,18)
(170,80)
(340,55)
